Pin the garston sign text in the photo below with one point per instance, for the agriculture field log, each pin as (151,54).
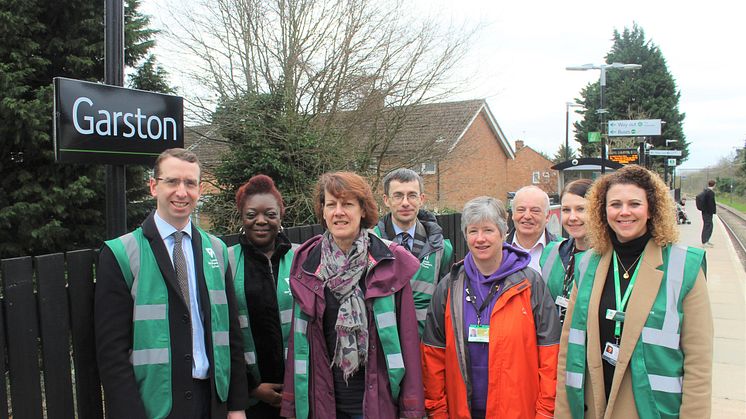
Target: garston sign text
(95,123)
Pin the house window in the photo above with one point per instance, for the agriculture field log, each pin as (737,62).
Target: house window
(428,168)
(536,178)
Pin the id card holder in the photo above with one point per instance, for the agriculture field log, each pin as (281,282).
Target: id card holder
(561,301)
(611,353)
(614,315)
(479,333)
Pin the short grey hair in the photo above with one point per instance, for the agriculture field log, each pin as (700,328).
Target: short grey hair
(532,187)
(481,209)
(402,175)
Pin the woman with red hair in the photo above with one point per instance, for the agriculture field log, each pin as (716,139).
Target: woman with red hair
(261,267)
(354,347)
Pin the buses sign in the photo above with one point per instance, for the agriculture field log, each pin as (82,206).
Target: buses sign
(96,123)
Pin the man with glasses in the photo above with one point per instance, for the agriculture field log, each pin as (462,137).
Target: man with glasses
(530,216)
(168,341)
(417,230)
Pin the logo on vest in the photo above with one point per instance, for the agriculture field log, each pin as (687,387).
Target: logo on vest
(213,262)
(287,292)
(425,264)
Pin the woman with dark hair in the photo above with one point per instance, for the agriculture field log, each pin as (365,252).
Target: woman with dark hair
(260,263)
(637,340)
(489,348)
(558,258)
(354,311)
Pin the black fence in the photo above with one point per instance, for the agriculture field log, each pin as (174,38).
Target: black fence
(46,330)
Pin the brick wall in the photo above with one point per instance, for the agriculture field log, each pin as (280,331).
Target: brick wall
(527,161)
(477,166)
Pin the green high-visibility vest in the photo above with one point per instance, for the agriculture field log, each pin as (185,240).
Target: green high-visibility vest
(284,304)
(151,352)
(552,270)
(657,362)
(426,278)
(384,311)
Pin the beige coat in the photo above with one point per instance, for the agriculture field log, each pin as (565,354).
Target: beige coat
(696,343)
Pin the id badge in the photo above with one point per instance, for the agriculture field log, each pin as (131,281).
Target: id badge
(479,333)
(561,301)
(611,353)
(614,315)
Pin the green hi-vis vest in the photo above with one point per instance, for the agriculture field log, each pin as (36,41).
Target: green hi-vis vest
(552,271)
(426,278)
(384,311)
(657,362)
(151,352)
(284,304)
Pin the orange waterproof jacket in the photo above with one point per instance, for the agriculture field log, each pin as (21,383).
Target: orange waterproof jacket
(523,348)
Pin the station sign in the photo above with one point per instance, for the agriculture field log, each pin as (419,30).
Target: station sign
(671,162)
(634,128)
(671,153)
(101,124)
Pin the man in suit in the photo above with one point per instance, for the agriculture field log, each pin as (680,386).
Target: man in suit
(168,341)
(708,210)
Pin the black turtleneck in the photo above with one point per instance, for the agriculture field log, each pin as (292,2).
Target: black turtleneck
(628,253)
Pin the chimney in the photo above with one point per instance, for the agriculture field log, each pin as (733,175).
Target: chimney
(518,144)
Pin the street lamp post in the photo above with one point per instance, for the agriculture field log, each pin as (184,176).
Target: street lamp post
(602,83)
(568,105)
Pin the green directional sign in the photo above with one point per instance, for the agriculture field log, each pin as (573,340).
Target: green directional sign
(594,137)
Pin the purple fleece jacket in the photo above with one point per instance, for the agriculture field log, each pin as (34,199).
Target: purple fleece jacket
(513,261)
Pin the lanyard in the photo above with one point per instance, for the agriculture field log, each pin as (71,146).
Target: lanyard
(621,302)
(473,299)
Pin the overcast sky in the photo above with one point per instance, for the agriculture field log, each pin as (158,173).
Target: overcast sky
(519,57)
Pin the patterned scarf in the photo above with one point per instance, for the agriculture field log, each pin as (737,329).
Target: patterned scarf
(341,273)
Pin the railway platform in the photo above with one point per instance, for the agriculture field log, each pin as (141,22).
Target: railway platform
(726,280)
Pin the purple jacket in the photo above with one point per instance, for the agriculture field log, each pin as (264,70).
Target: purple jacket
(390,274)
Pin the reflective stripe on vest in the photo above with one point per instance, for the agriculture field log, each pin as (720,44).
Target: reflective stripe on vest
(151,352)
(552,269)
(384,311)
(656,364)
(284,304)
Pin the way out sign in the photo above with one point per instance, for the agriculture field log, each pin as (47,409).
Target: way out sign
(634,128)
(100,124)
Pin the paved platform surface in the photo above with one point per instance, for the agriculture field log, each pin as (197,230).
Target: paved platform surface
(726,280)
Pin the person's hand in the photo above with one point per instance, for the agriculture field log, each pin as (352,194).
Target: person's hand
(269,393)
(237,414)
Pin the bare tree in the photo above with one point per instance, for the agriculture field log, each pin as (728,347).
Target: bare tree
(355,66)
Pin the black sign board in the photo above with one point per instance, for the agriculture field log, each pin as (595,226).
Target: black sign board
(96,123)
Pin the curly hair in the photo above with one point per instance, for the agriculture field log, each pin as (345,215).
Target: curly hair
(259,184)
(661,208)
(346,185)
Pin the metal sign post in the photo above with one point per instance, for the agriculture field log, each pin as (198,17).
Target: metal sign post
(116,198)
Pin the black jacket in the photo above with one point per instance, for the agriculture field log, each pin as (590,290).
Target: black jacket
(708,204)
(260,285)
(113,307)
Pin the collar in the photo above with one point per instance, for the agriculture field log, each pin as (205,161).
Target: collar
(542,241)
(398,230)
(165,229)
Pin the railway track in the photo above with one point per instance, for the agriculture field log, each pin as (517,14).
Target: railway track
(735,224)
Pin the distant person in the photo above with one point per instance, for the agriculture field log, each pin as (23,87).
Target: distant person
(417,230)
(558,259)
(638,337)
(530,217)
(706,204)
(168,340)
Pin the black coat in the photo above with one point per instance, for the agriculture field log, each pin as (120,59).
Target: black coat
(113,327)
(708,203)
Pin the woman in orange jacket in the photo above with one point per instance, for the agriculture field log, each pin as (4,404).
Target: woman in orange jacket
(492,333)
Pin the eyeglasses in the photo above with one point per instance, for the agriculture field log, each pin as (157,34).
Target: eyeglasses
(190,184)
(399,197)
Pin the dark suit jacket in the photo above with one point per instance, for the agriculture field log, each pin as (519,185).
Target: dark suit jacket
(113,327)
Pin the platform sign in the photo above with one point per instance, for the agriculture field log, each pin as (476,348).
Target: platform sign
(101,124)
(670,153)
(671,162)
(634,128)
(624,155)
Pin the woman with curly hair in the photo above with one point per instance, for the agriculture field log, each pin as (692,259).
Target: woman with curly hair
(637,340)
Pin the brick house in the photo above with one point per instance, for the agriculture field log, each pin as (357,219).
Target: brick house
(531,168)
